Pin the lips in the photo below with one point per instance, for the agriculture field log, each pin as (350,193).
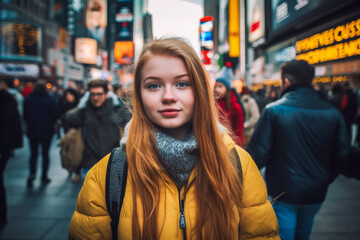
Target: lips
(169,112)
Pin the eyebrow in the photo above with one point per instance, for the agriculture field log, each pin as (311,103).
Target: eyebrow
(157,78)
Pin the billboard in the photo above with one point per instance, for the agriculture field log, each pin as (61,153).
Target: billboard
(96,20)
(256,20)
(124,20)
(286,14)
(85,50)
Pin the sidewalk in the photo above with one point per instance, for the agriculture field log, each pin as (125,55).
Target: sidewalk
(44,212)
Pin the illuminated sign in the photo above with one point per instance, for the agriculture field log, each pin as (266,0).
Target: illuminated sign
(327,80)
(234,28)
(256,21)
(335,43)
(206,39)
(19,70)
(85,50)
(124,20)
(124,52)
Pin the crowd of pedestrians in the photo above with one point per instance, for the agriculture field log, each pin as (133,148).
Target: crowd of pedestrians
(176,127)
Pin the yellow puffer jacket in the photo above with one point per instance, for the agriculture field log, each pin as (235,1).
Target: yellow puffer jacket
(92,221)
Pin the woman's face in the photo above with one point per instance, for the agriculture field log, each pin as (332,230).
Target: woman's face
(69,97)
(167,95)
(219,90)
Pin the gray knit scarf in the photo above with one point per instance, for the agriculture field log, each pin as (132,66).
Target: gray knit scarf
(178,157)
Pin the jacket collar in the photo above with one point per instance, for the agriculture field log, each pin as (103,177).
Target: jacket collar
(294,87)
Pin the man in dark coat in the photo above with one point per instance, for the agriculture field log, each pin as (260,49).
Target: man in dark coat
(100,117)
(40,114)
(10,138)
(302,141)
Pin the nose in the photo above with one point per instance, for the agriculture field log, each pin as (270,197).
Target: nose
(169,95)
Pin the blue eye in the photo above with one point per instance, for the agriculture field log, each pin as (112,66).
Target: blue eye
(153,86)
(183,84)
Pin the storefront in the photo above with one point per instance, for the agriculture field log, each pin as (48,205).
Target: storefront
(333,49)
(326,34)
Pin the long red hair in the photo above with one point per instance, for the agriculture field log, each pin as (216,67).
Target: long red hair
(218,187)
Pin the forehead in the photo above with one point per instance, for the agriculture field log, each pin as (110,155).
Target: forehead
(160,65)
(219,84)
(96,90)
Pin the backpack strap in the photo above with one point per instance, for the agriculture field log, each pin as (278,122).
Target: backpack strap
(238,163)
(116,176)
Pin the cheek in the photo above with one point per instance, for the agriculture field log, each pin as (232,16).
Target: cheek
(148,103)
(190,102)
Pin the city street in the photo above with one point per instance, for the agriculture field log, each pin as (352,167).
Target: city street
(44,212)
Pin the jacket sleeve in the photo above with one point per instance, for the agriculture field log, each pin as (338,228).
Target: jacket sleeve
(258,219)
(260,146)
(75,117)
(91,219)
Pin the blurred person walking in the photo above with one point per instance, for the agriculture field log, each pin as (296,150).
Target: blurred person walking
(260,98)
(10,138)
(100,118)
(9,81)
(68,101)
(302,141)
(56,94)
(40,114)
(229,107)
(252,113)
(345,99)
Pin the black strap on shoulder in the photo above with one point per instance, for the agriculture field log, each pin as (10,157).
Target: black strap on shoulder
(238,163)
(116,176)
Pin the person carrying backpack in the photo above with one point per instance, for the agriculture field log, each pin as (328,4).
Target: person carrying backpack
(184,178)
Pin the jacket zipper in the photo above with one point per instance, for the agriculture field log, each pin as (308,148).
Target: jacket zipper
(182,220)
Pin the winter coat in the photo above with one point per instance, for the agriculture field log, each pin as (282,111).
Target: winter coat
(10,123)
(100,128)
(92,221)
(234,116)
(302,141)
(252,114)
(40,114)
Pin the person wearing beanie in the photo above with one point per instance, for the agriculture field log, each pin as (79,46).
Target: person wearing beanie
(229,108)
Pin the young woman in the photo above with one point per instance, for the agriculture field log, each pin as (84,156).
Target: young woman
(229,108)
(179,158)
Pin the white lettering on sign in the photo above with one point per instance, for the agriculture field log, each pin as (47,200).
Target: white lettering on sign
(17,70)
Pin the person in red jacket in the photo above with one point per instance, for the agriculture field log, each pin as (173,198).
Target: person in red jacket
(229,108)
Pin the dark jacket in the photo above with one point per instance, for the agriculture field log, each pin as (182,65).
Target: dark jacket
(100,129)
(10,123)
(40,114)
(302,141)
